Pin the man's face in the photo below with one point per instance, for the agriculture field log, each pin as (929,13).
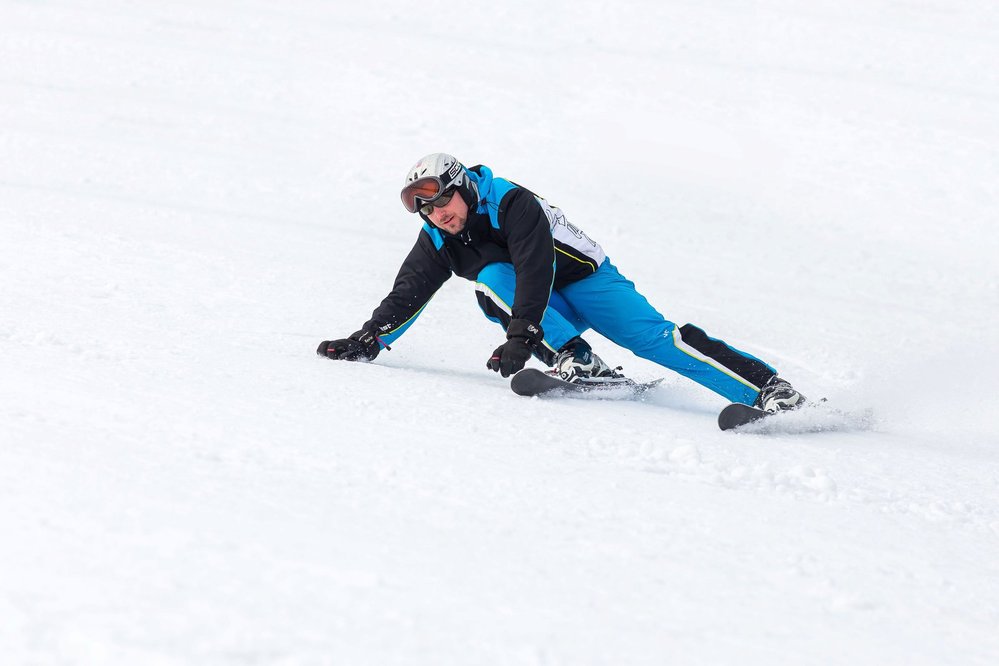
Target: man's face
(451,217)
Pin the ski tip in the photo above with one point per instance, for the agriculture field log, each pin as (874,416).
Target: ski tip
(737,414)
(524,382)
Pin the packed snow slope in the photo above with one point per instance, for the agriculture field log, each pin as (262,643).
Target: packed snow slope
(194,194)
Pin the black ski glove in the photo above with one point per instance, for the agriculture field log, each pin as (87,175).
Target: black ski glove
(510,357)
(360,346)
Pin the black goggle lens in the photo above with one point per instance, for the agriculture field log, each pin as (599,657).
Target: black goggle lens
(438,202)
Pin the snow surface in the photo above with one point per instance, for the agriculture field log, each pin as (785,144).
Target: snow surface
(193,194)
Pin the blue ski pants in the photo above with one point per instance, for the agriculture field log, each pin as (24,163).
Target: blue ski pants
(608,303)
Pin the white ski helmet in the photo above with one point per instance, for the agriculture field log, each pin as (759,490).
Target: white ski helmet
(433,176)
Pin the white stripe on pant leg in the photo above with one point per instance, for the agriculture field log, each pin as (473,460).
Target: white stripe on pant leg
(491,295)
(498,302)
(690,351)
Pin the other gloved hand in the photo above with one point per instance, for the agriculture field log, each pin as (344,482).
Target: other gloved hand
(510,357)
(360,346)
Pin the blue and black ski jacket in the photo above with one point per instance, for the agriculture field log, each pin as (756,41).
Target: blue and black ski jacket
(510,224)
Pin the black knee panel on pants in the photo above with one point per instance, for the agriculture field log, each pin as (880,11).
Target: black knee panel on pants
(750,369)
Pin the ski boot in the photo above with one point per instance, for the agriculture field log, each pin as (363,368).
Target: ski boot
(778,395)
(577,364)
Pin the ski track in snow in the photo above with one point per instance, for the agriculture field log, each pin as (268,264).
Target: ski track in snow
(194,195)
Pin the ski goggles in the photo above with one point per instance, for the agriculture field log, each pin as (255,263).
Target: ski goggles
(425,194)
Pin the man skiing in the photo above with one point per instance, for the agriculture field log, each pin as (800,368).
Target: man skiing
(546,283)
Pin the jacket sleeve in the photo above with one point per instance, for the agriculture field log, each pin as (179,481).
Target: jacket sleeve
(421,275)
(532,251)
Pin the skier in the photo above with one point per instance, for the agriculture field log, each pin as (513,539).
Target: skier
(545,282)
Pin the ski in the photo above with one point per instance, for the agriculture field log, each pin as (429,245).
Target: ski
(737,414)
(809,418)
(533,382)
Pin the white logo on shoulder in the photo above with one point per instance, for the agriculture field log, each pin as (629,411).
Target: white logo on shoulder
(569,234)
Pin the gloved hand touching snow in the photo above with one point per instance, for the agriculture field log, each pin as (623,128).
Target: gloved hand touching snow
(360,346)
